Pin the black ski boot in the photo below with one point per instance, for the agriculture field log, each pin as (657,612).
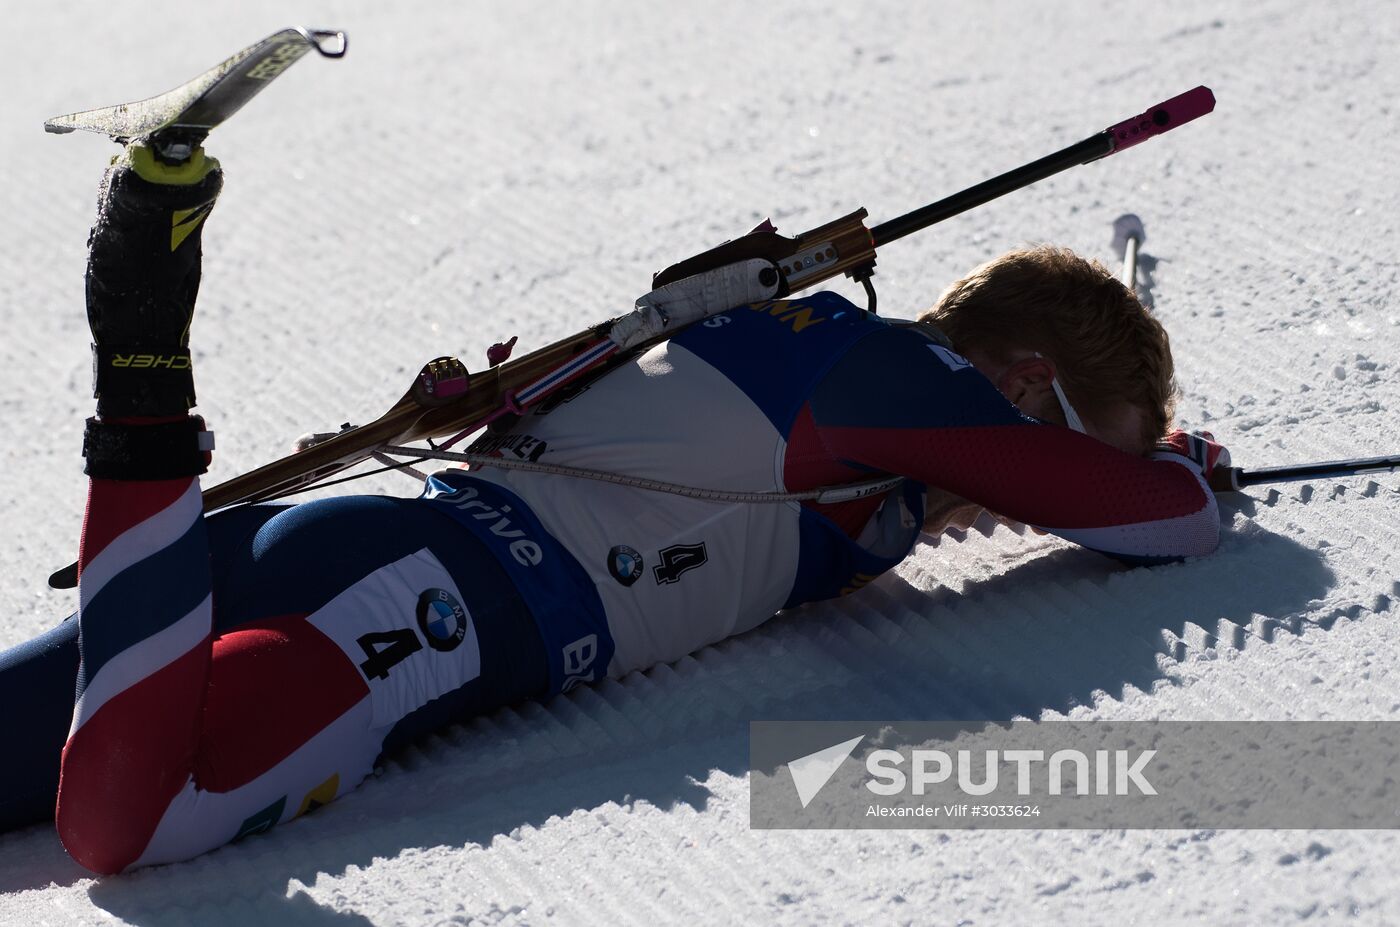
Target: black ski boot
(142,280)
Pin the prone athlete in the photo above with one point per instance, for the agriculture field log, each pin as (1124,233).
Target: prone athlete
(1041,390)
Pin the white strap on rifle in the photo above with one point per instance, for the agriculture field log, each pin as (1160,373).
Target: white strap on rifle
(678,304)
(824,495)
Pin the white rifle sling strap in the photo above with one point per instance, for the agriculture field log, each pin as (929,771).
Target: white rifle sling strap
(670,308)
(824,495)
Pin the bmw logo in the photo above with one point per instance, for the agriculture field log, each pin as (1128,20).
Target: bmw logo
(625,564)
(442,619)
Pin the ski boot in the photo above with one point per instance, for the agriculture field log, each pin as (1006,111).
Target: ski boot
(142,280)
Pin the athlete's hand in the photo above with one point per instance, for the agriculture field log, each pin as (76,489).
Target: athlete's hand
(943,510)
(1200,447)
(1019,527)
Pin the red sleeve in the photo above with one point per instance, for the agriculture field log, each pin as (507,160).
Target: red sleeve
(900,404)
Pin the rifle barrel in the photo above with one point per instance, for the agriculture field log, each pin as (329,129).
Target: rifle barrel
(1163,117)
(1095,146)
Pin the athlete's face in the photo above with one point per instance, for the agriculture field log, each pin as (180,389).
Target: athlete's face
(1028,381)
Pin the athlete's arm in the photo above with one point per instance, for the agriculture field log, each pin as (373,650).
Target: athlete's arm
(898,403)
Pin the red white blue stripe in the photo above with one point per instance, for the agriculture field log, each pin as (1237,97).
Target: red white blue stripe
(566,372)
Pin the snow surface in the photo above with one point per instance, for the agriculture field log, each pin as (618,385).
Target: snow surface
(472,171)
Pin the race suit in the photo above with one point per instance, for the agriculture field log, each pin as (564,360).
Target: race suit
(240,670)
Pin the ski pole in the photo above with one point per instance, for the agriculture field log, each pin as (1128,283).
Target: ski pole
(1234,479)
(1130,264)
(1128,236)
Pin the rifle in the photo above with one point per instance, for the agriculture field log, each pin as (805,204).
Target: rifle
(446,401)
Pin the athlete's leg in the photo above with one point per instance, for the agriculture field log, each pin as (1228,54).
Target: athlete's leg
(346,624)
(41,675)
(36,693)
(145,613)
(355,621)
(378,616)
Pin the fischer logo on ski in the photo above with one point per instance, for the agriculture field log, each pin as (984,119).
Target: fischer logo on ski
(282,56)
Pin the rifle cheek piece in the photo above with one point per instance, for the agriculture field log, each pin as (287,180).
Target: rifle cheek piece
(842,246)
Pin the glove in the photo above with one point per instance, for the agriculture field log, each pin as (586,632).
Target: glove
(1199,447)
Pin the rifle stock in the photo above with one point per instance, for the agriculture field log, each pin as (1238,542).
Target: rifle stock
(408,420)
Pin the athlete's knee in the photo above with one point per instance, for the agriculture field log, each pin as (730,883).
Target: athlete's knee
(95,833)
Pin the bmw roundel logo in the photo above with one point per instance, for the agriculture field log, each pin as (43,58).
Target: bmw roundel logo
(442,619)
(625,564)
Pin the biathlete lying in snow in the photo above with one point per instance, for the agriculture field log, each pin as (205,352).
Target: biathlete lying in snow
(235,671)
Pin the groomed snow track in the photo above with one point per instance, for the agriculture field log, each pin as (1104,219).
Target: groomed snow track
(574,154)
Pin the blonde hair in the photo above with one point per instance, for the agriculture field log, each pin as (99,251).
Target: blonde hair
(1107,349)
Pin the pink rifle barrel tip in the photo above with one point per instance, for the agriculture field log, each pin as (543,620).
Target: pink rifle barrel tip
(1163,117)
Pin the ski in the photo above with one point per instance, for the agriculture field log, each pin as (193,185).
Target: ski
(177,121)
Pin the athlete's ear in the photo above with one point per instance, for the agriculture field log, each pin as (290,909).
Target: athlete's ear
(1027,384)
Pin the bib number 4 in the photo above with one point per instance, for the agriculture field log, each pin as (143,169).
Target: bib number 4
(386,649)
(677,560)
(442,624)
